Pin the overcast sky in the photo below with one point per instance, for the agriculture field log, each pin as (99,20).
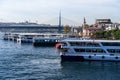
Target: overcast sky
(48,10)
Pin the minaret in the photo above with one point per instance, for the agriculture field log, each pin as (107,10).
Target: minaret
(59,22)
(84,22)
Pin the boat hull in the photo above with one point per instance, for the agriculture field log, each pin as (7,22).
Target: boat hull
(72,58)
(44,44)
(89,58)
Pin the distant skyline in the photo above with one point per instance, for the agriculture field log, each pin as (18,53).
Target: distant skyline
(42,11)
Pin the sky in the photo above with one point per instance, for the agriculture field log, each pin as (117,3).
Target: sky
(47,11)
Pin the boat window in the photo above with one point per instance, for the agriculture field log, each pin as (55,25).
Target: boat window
(77,43)
(110,43)
(98,51)
(113,50)
(94,50)
(80,50)
(90,50)
(64,44)
(92,44)
(84,44)
(65,50)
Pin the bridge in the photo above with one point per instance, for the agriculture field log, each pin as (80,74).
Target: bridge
(30,28)
(34,27)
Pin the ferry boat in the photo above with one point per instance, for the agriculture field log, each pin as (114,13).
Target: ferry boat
(93,50)
(48,40)
(45,41)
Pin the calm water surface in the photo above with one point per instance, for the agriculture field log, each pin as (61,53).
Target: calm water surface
(25,62)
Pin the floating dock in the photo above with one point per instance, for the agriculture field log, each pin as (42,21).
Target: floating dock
(37,39)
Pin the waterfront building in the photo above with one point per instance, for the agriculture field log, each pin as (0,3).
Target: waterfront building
(103,23)
(77,30)
(90,31)
(112,26)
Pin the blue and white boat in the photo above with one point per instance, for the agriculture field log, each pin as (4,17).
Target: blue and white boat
(90,50)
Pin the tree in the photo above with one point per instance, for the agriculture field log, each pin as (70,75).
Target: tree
(66,29)
(112,34)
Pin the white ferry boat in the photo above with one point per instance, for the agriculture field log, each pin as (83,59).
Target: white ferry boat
(85,50)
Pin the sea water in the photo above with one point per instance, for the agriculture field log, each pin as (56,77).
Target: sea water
(26,62)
